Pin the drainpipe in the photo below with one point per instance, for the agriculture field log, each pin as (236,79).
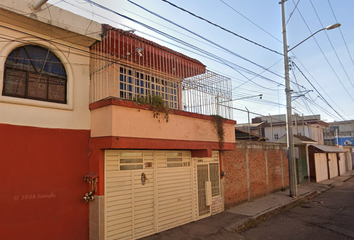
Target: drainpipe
(38,4)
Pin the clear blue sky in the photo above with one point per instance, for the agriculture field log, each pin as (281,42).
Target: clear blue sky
(326,60)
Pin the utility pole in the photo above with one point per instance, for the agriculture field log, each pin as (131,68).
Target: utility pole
(289,118)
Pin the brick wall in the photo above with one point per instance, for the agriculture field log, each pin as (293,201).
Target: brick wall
(254,170)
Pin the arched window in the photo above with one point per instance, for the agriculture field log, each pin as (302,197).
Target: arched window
(36,73)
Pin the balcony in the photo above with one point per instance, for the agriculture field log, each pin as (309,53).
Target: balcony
(126,68)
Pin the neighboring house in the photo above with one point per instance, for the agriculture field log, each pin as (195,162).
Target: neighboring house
(44,121)
(325,162)
(253,128)
(340,133)
(274,127)
(85,101)
(301,144)
(242,135)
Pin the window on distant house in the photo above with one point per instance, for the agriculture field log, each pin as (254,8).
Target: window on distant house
(34,72)
(276,136)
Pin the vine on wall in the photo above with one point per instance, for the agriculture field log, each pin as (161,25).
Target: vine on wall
(219,128)
(157,104)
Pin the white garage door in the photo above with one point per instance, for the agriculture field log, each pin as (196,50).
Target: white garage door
(147,192)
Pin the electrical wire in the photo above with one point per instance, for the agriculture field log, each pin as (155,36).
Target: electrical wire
(251,21)
(329,63)
(192,32)
(340,30)
(319,93)
(334,50)
(216,25)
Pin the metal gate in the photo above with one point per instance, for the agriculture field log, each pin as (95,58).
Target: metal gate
(147,192)
(208,183)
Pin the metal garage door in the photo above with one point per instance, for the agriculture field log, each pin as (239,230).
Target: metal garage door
(147,192)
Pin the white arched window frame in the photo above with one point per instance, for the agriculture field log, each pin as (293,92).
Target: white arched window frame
(11,46)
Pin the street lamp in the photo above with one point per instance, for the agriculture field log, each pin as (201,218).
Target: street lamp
(289,117)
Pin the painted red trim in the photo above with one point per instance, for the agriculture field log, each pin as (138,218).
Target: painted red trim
(116,142)
(130,104)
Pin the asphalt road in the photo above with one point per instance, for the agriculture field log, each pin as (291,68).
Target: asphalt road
(328,216)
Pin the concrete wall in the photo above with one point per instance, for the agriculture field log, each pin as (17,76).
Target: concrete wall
(254,170)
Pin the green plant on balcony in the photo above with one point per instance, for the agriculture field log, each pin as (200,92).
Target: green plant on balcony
(219,128)
(157,104)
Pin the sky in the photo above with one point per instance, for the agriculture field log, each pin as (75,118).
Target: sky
(322,69)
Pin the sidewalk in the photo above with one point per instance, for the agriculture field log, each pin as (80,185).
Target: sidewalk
(244,216)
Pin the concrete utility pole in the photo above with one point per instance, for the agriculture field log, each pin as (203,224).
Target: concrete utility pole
(289,117)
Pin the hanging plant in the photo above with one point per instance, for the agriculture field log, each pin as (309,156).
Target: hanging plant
(89,197)
(219,128)
(157,104)
(92,179)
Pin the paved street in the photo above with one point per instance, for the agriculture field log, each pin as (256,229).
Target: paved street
(328,216)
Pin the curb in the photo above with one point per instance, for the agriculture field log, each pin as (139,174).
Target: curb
(249,222)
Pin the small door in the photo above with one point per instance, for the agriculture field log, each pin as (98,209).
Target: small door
(202,178)
(208,184)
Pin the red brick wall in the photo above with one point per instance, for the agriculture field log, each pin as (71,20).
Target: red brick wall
(254,170)
(235,181)
(257,172)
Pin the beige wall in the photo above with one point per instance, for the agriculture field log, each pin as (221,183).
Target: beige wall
(132,122)
(75,57)
(321,167)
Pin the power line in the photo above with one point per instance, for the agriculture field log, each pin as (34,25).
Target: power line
(216,25)
(291,14)
(319,93)
(206,39)
(319,85)
(251,21)
(225,62)
(329,63)
(345,71)
(340,30)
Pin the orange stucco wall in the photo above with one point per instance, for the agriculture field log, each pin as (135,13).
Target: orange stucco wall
(124,121)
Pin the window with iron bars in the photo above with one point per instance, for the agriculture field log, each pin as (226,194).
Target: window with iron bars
(135,83)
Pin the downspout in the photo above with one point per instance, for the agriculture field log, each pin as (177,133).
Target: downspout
(38,4)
